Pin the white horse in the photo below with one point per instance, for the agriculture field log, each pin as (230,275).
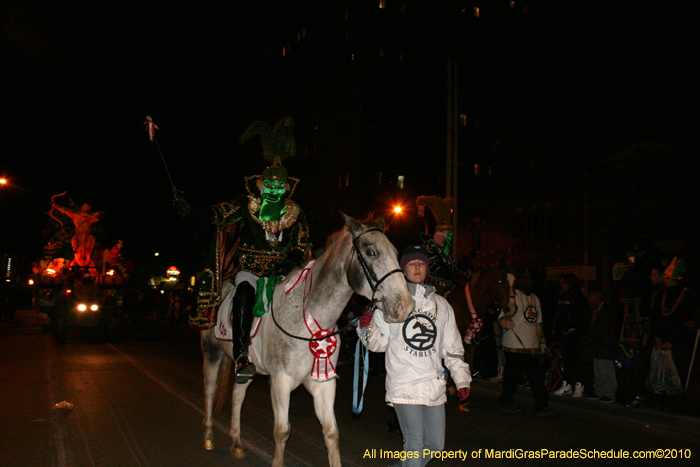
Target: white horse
(358,259)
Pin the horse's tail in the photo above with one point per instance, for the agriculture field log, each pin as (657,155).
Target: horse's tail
(222,385)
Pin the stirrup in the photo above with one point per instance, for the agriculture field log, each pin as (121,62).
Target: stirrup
(245,369)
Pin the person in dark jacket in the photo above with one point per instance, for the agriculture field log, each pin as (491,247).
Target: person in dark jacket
(600,344)
(570,326)
(672,324)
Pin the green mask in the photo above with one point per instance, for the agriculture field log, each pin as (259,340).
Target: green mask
(447,245)
(272,198)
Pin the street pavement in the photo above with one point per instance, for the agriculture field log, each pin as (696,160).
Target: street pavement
(139,402)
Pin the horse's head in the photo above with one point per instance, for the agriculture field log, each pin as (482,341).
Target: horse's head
(374,271)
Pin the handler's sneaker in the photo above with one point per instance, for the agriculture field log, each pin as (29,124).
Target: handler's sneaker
(578,390)
(565,388)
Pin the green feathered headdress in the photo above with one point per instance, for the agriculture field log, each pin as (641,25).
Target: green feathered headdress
(278,144)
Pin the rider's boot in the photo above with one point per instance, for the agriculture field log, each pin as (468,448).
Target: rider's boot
(241,321)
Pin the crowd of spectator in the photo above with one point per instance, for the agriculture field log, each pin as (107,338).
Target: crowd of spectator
(604,342)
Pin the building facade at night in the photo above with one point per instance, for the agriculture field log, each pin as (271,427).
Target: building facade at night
(377,86)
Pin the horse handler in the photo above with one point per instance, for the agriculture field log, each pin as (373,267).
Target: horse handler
(417,352)
(523,344)
(261,235)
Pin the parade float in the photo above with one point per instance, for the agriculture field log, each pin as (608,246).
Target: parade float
(79,283)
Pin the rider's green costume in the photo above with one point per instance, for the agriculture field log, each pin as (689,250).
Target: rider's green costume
(244,242)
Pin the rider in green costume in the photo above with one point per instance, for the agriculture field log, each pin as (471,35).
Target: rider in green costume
(261,234)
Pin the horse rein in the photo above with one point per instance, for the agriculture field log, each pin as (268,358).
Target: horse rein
(369,275)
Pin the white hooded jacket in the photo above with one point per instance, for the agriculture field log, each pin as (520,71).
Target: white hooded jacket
(415,350)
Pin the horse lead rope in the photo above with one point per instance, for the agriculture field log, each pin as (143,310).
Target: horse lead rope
(357,406)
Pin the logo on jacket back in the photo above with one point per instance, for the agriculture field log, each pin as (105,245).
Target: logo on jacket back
(419,335)
(531,314)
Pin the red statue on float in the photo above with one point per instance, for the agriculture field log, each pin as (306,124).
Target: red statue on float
(82,241)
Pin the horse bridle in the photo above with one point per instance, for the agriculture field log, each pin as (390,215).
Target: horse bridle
(369,275)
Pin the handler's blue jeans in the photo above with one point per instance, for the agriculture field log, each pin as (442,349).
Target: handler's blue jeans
(423,427)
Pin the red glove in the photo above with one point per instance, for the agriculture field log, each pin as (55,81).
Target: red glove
(365,319)
(463,394)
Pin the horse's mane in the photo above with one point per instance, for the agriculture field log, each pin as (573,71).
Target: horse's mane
(370,218)
(335,236)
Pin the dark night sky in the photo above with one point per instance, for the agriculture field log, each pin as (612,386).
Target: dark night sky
(76,85)
(77,82)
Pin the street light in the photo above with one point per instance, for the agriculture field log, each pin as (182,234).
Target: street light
(3,181)
(398,209)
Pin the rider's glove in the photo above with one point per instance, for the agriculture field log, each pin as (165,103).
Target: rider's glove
(463,394)
(365,319)
(284,268)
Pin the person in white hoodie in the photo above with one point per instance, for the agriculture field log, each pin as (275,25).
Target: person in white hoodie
(417,352)
(523,344)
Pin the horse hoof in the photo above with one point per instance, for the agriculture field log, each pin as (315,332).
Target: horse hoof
(238,453)
(209,444)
